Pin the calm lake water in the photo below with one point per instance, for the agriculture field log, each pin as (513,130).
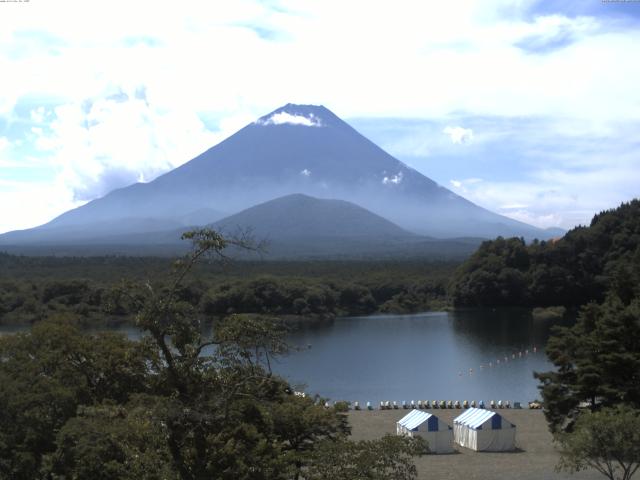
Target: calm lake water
(420,357)
(417,357)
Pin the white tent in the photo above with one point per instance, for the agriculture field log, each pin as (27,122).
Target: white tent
(438,434)
(484,430)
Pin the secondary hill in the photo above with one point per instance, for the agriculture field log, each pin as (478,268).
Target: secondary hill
(580,267)
(301,216)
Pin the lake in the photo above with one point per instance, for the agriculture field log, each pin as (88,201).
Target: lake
(429,356)
(422,357)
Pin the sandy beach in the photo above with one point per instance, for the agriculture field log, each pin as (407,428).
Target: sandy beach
(535,458)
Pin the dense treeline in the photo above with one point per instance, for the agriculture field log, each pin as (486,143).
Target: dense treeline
(32,289)
(580,267)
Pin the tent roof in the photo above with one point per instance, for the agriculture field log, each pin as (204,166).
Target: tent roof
(414,418)
(475,417)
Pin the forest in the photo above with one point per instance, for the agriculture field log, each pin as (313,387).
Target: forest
(578,268)
(92,289)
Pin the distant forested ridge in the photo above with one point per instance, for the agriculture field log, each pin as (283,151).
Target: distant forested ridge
(578,268)
(91,288)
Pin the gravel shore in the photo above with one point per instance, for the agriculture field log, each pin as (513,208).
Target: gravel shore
(534,459)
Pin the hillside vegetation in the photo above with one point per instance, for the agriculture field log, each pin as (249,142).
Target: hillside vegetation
(580,267)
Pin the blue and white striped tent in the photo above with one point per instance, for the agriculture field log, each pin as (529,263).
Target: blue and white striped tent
(438,434)
(484,430)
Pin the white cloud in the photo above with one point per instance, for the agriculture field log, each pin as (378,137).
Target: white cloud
(305,173)
(35,202)
(393,180)
(282,118)
(456,183)
(459,135)
(459,58)
(103,144)
(4,143)
(513,206)
(38,115)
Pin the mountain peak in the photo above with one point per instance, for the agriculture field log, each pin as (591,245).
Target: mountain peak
(300,115)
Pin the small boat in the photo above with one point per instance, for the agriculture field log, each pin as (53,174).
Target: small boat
(465,404)
(381,405)
(473,404)
(369,406)
(427,404)
(457,404)
(481,404)
(500,405)
(420,406)
(492,404)
(449,404)
(404,405)
(413,404)
(395,405)
(356,405)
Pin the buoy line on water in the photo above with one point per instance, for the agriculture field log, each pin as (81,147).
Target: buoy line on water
(503,360)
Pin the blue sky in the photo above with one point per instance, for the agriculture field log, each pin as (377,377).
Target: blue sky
(528,108)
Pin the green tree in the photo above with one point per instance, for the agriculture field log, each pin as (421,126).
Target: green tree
(46,374)
(597,361)
(389,457)
(608,441)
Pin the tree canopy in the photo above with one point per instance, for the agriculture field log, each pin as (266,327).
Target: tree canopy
(608,441)
(578,268)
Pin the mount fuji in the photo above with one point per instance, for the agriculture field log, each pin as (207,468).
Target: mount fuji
(296,149)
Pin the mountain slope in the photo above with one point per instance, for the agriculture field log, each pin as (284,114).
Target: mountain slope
(298,148)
